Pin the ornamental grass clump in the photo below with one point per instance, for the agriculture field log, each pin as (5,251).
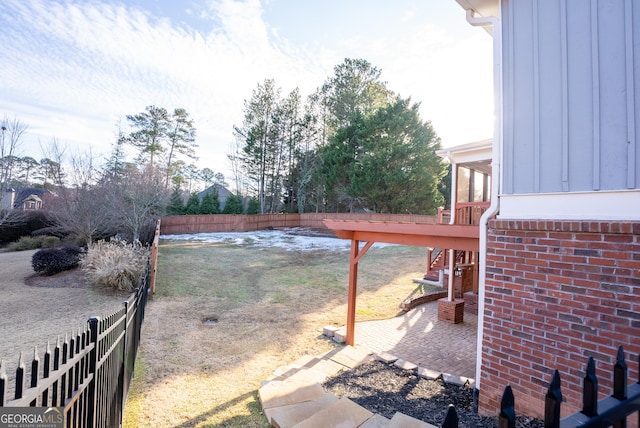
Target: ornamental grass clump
(115,265)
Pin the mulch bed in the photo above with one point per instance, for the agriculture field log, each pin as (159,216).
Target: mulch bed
(386,389)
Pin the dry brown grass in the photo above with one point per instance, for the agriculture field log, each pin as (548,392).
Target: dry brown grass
(271,306)
(115,265)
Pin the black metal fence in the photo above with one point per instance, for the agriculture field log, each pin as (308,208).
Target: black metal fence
(88,374)
(610,411)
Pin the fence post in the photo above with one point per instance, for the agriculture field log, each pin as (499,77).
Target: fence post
(56,364)
(34,372)
(19,378)
(620,376)
(590,390)
(46,367)
(620,383)
(507,417)
(154,259)
(451,418)
(122,373)
(3,384)
(552,402)
(93,363)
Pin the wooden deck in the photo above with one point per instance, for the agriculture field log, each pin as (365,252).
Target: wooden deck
(449,236)
(455,236)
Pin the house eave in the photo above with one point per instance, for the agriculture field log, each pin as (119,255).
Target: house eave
(482,9)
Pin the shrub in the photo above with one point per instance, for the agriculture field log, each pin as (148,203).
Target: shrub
(34,242)
(115,265)
(50,261)
(50,241)
(25,243)
(21,223)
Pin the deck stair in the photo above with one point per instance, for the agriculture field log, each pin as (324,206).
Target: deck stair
(440,262)
(294,397)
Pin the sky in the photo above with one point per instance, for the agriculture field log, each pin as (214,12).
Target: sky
(73,70)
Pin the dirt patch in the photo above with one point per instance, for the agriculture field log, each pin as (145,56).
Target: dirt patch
(69,279)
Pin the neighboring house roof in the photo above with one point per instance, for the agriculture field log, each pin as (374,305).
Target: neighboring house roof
(25,193)
(223,193)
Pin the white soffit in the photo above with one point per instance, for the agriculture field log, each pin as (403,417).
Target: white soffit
(466,153)
(483,8)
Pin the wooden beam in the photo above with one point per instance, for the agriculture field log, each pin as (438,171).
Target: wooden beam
(404,228)
(364,250)
(458,243)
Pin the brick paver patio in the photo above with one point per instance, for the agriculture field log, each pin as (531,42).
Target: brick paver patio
(420,338)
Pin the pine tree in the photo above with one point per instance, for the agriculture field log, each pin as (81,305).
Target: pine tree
(210,203)
(233,205)
(193,204)
(176,203)
(254,206)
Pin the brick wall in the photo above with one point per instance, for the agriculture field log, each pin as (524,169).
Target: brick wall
(556,293)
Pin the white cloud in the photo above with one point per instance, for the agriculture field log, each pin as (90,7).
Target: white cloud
(72,69)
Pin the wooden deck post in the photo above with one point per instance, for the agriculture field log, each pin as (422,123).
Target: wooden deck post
(356,255)
(452,262)
(353,284)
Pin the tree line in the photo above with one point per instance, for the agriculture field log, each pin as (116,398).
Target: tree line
(352,145)
(87,198)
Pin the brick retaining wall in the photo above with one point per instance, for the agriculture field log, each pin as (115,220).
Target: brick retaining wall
(556,293)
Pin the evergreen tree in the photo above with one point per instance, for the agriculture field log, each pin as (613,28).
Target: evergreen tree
(193,204)
(254,206)
(395,169)
(210,203)
(233,205)
(176,203)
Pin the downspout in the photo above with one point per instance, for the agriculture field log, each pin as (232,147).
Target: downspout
(495,172)
(452,220)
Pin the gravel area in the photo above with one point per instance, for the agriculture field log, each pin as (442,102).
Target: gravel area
(386,389)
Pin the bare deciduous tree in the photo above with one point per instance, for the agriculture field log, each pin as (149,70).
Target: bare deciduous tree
(13,131)
(139,200)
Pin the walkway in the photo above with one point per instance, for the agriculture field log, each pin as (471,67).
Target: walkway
(420,338)
(294,397)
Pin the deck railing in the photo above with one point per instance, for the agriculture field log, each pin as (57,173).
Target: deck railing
(467,213)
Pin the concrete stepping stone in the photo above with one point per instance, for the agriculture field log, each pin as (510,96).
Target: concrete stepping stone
(349,356)
(331,368)
(454,379)
(343,413)
(400,420)
(340,335)
(288,416)
(428,373)
(386,357)
(376,421)
(308,374)
(281,393)
(406,365)
(330,330)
